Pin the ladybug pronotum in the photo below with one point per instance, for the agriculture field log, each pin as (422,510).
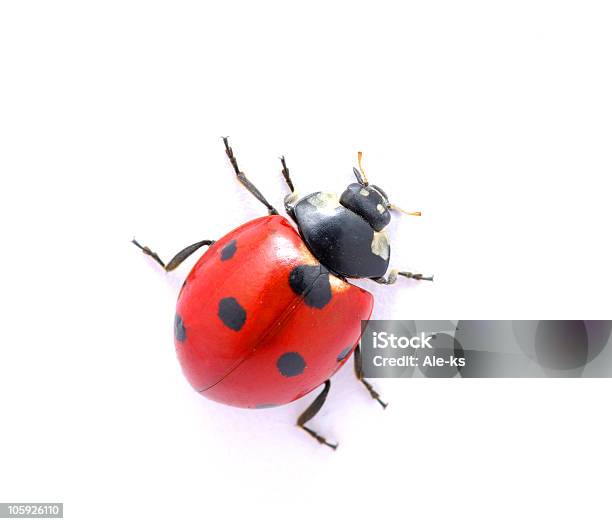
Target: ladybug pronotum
(248,310)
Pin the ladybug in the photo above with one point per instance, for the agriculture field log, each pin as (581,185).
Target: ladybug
(267,314)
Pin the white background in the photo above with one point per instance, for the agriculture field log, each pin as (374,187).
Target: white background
(493,118)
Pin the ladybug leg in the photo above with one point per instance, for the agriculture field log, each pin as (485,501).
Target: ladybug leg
(292,197)
(245,181)
(359,374)
(393,274)
(311,411)
(286,174)
(178,258)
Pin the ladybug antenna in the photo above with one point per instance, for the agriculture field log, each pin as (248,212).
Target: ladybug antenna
(400,210)
(360,175)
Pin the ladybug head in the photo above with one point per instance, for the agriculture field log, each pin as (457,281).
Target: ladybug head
(369,201)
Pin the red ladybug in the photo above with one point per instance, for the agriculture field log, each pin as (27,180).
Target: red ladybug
(267,314)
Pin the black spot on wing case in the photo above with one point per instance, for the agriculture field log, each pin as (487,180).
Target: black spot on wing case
(311,282)
(231,313)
